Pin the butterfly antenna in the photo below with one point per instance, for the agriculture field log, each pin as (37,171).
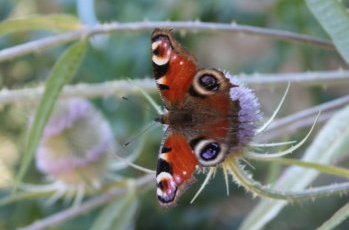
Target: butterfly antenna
(135,137)
(151,101)
(130,157)
(266,124)
(133,165)
(136,104)
(208,177)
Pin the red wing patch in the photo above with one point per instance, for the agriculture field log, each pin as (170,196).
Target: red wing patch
(175,169)
(173,67)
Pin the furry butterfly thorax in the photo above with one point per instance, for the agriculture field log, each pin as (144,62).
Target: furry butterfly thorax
(209,115)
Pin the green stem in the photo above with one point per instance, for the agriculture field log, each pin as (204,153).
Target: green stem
(245,179)
(327,169)
(60,39)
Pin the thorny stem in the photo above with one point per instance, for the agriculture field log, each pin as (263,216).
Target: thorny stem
(298,79)
(87,206)
(118,87)
(323,168)
(122,87)
(245,179)
(49,42)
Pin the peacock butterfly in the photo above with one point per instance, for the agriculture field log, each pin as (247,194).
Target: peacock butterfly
(209,114)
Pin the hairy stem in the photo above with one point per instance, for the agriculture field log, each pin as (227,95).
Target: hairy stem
(328,169)
(122,87)
(299,79)
(50,42)
(119,87)
(245,179)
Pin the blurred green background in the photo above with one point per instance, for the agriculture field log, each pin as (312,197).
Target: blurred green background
(127,56)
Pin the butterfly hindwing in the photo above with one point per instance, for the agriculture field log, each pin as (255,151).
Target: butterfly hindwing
(175,169)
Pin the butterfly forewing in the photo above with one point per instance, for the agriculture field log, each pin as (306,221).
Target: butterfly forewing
(173,68)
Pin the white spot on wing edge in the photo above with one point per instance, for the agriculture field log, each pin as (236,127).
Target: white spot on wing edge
(164,156)
(155,45)
(162,176)
(160,60)
(159,192)
(166,176)
(161,80)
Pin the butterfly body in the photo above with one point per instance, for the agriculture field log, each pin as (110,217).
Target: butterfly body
(203,118)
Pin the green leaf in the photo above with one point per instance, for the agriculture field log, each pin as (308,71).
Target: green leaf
(54,23)
(334,18)
(336,219)
(118,215)
(62,72)
(330,144)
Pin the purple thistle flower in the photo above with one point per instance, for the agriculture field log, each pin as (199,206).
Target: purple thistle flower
(76,143)
(249,114)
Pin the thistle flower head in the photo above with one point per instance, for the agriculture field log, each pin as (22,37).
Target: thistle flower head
(249,112)
(76,144)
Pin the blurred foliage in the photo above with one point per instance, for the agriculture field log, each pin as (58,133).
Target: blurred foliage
(127,56)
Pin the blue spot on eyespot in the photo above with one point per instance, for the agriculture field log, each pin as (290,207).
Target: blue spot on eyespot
(210,151)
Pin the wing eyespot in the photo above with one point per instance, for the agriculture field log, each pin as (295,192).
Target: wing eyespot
(166,188)
(207,82)
(209,152)
(161,50)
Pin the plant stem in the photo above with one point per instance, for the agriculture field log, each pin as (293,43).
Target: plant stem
(122,87)
(298,79)
(323,168)
(244,179)
(118,87)
(50,42)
